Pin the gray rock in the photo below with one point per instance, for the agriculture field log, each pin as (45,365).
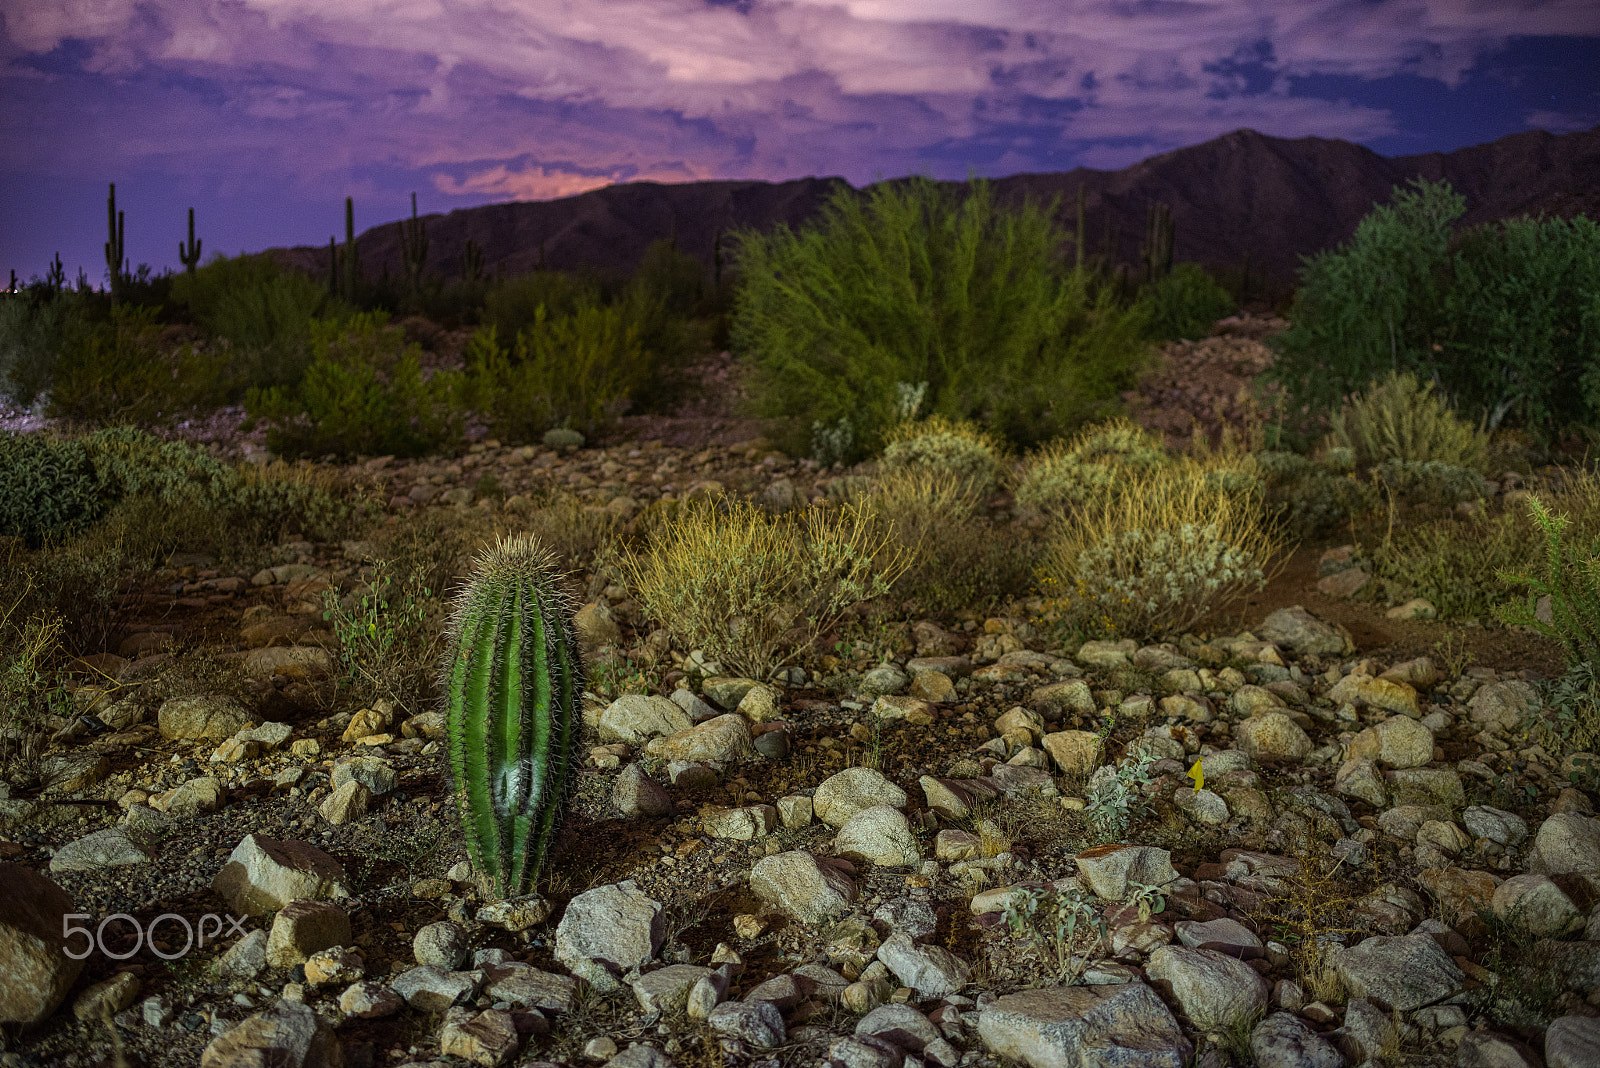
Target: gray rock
(1370,1028)
(113,848)
(264,874)
(35,971)
(1361,779)
(906,915)
(852,790)
(899,1025)
(367,1000)
(1214,990)
(301,928)
(1426,786)
(488,1038)
(864,1051)
(1283,1041)
(740,824)
(1572,1042)
(289,1035)
(635,793)
(1503,705)
(1485,1049)
(375,773)
(640,1056)
(1202,806)
(1538,906)
(1068,1027)
(885,678)
(879,835)
(756,1022)
(1272,736)
(931,971)
(443,944)
(707,993)
(618,925)
(525,986)
(1401,973)
(1301,632)
(802,886)
(1497,825)
(210,718)
(245,958)
(1566,842)
(667,989)
(199,795)
(431,989)
(65,773)
(1223,935)
(724,738)
(1107,870)
(638,717)
(696,709)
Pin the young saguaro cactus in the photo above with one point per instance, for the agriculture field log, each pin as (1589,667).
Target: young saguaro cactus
(512,680)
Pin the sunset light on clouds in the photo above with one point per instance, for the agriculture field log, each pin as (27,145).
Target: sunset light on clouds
(264,114)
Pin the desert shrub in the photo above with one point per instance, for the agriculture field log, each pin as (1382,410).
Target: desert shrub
(1400,418)
(1455,563)
(1157,556)
(901,286)
(74,581)
(125,371)
(36,327)
(28,644)
(1522,323)
(47,488)
(1067,472)
(1306,497)
(961,450)
(577,371)
(955,558)
(661,303)
(364,392)
(1186,303)
(751,589)
(1373,304)
(575,530)
(512,305)
(1434,481)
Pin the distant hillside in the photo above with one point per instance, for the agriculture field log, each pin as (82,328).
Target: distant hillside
(1276,198)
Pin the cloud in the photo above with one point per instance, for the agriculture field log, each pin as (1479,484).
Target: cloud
(527,99)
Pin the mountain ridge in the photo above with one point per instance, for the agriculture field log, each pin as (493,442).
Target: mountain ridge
(1276,198)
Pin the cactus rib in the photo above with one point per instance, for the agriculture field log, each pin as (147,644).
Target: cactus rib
(512,681)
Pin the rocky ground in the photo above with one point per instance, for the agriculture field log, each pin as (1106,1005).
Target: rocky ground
(1333,856)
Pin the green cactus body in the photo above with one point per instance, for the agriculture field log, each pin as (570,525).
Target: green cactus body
(512,682)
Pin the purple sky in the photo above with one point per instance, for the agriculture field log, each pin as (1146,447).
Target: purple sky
(264,114)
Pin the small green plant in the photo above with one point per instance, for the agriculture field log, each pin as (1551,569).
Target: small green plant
(1065,924)
(1115,801)
(1571,579)
(379,635)
(513,679)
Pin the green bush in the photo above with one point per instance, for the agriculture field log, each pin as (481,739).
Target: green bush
(1186,303)
(513,305)
(127,371)
(364,392)
(36,327)
(907,288)
(1522,314)
(1373,304)
(1434,481)
(577,370)
(1569,574)
(1455,563)
(666,302)
(47,488)
(1308,497)
(1400,418)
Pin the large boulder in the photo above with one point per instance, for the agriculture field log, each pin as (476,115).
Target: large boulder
(1069,1026)
(264,874)
(35,970)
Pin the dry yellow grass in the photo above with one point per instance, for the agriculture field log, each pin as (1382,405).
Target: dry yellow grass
(750,588)
(1158,550)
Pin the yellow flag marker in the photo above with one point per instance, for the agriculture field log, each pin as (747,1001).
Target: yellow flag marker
(1198,775)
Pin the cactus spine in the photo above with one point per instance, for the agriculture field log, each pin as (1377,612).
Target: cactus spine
(512,681)
(189,254)
(414,245)
(114,224)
